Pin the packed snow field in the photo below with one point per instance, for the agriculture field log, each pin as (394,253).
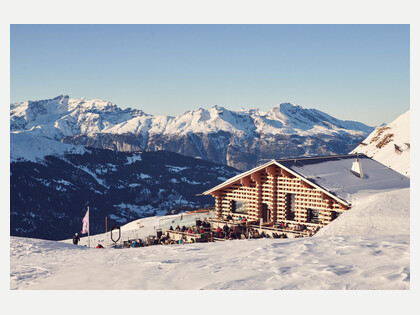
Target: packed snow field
(367,247)
(341,262)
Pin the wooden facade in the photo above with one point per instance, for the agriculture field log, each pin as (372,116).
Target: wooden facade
(274,193)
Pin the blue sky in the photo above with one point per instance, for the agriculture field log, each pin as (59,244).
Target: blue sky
(353,72)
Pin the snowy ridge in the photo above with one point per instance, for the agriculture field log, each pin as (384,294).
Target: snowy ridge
(390,144)
(63,116)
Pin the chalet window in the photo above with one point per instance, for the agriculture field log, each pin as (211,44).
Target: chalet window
(266,214)
(312,216)
(290,206)
(239,206)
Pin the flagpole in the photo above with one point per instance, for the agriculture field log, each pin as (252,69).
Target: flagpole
(88,227)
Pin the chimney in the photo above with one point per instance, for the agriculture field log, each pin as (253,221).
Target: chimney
(357,169)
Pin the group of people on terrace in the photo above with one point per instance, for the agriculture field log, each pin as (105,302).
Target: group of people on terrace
(297,227)
(227,232)
(199,228)
(243,232)
(233,228)
(239,218)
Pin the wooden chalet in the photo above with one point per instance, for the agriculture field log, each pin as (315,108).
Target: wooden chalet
(302,190)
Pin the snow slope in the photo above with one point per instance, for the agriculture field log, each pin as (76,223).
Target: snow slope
(357,252)
(25,146)
(390,144)
(373,213)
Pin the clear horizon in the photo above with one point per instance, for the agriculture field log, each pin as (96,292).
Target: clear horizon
(352,72)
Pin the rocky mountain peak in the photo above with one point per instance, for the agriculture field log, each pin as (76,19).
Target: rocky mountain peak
(390,144)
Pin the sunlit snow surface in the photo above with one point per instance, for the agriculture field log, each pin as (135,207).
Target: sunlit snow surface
(365,248)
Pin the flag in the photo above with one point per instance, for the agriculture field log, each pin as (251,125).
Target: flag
(85,221)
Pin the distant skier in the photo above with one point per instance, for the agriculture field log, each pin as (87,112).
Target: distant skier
(76,239)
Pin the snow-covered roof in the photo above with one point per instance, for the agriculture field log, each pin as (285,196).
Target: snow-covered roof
(333,175)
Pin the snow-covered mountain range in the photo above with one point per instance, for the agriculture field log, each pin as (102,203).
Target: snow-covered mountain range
(390,144)
(236,138)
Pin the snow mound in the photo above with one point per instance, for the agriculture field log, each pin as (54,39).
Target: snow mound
(373,213)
